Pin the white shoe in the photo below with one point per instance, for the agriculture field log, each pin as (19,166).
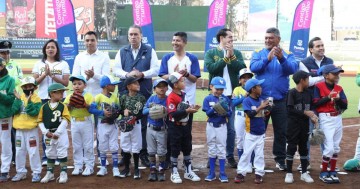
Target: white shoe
(307,168)
(102,171)
(289,178)
(63,178)
(57,162)
(87,172)
(191,176)
(175,178)
(48,177)
(76,171)
(116,172)
(99,159)
(19,177)
(307,178)
(44,163)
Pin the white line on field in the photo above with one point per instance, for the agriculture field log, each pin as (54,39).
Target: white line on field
(356,125)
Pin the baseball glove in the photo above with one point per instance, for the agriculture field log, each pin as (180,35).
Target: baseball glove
(182,106)
(221,107)
(126,124)
(115,112)
(77,100)
(317,137)
(157,111)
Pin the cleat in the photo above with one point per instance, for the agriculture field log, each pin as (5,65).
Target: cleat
(258,179)
(307,178)
(239,178)
(137,174)
(36,177)
(281,166)
(161,175)
(153,175)
(191,176)
(116,172)
(19,177)
(231,162)
(334,177)
(63,178)
(48,177)
(325,177)
(223,178)
(102,172)
(87,172)
(211,176)
(289,178)
(76,171)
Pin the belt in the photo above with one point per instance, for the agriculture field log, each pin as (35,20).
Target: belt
(216,125)
(79,118)
(240,113)
(332,113)
(177,123)
(53,130)
(157,128)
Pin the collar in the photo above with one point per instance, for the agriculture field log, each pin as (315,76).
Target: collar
(137,48)
(95,53)
(317,59)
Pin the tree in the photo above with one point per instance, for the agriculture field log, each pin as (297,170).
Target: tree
(231,15)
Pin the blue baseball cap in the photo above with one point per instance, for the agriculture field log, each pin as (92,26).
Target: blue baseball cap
(252,83)
(108,80)
(78,77)
(218,83)
(330,68)
(158,81)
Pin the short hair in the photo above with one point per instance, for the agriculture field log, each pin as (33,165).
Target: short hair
(136,26)
(91,33)
(299,75)
(311,42)
(273,30)
(182,35)
(57,55)
(222,33)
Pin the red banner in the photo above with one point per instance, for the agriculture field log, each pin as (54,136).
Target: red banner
(20,18)
(45,19)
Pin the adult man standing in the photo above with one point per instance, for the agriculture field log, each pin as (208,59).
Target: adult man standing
(92,64)
(226,62)
(274,64)
(138,60)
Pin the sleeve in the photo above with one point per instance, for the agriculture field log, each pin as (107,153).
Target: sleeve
(66,68)
(146,108)
(290,104)
(89,98)
(67,99)
(289,64)
(66,114)
(247,108)
(317,100)
(312,80)
(33,106)
(210,112)
(195,66)
(105,69)
(118,70)
(93,109)
(40,116)
(164,70)
(237,62)
(42,128)
(237,100)
(342,103)
(154,66)
(16,107)
(122,103)
(214,67)
(76,67)
(258,63)
(8,98)
(62,128)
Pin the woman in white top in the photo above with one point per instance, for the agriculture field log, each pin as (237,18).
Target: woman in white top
(50,69)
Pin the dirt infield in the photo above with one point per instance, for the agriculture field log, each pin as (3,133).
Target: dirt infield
(271,180)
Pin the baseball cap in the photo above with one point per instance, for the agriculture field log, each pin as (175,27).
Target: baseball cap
(218,83)
(245,71)
(108,80)
(130,80)
(28,80)
(173,78)
(158,81)
(252,83)
(79,77)
(5,46)
(56,87)
(330,68)
(300,75)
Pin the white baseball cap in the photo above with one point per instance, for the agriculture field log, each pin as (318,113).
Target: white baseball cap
(28,80)
(245,71)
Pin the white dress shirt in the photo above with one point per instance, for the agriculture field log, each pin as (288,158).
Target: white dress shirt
(312,80)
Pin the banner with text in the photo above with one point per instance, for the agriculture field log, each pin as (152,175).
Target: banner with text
(20,18)
(2,18)
(142,17)
(216,21)
(66,30)
(301,29)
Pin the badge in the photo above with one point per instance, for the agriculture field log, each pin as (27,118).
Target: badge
(4,126)
(32,141)
(171,106)
(18,141)
(47,141)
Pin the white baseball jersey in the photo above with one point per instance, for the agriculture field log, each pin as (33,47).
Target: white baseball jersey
(5,139)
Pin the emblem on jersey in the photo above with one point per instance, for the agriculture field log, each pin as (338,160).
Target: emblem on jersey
(138,107)
(57,115)
(216,58)
(171,106)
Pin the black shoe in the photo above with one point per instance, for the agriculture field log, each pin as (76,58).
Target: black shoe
(145,161)
(281,166)
(232,163)
(161,175)
(153,175)
(137,174)
(121,162)
(125,173)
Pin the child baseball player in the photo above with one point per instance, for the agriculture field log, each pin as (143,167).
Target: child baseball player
(255,132)
(82,129)
(156,134)
(107,131)
(330,102)
(216,107)
(7,87)
(53,119)
(179,128)
(26,108)
(299,100)
(132,104)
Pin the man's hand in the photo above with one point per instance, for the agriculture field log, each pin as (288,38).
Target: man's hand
(191,110)
(90,73)
(278,52)
(229,47)
(271,54)
(135,73)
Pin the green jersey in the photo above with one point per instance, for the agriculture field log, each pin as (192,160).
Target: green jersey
(52,117)
(133,103)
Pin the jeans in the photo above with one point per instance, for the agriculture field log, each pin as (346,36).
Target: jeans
(230,141)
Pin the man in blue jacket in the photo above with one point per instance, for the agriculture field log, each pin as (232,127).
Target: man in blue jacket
(275,64)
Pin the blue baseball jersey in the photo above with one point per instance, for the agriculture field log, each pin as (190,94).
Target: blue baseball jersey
(254,125)
(213,117)
(156,100)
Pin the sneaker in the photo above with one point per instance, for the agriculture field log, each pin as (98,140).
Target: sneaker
(175,178)
(36,177)
(281,166)
(76,171)
(99,161)
(325,177)
(137,174)
(258,179)
(289,178)
(4,177)
(125,173)
(19,177)
(63,178)
(87,172)
(211,176)
(44,163)
(102,172)
(239,178)
(223,177)
(334,177)
(307,178)
(191,176)
(161,175)
(153,174)
(48,177)
(57,162)
(231,162)
(116,172)
(299,168)
(145,161)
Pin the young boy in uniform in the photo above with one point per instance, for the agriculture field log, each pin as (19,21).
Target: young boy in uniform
(330,102)
(26,108)
(156,134)
(132,104)
(53,119)
(82,128)
(255,132)
(107,131)
(216,129)
(299,100)
(179,128)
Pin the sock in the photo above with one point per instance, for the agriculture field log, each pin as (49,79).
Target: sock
(50,165)
(136,160)
(115,158)
(304,164)
(333,162)
(212,162)
(222,166)
(161,162)
(325,162)
(240,152)
(289,163)
(187,163)
(127,157)
(152,160)
(103,159)
(174,162)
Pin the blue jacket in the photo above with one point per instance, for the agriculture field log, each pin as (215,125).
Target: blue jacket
(275,72)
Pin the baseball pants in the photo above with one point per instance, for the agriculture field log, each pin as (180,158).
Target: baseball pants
(131,142)
(156,141)
(5,139)
(239,124)
(297,135)
(57,148)
(108,136)
(252,143)
(180,139)
(27,141)
(332,127)
(82,135)
(216,140)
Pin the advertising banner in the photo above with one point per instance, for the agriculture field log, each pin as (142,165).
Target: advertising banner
(142,17)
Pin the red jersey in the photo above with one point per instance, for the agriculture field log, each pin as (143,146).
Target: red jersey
(172,102)
(321,91)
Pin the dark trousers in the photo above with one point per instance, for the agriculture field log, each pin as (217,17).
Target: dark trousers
(13,136)
(143,151)
(180,139)
(297,134)
(230,140)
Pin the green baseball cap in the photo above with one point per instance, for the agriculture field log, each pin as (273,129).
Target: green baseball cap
(56,87)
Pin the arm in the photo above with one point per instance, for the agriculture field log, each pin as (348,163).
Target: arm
(164,70)
(258,64)
(342,101)
(93,110)
(62,127)
(146,108)
(210,112)
(64,80)
(76,67)
(8,99)
(195,69)
(118,70)
(215,67)
(317,101)
(289,64)
(37,74)
(154,66)
(237,62)
(16,106)
(236,101)
(42,128)
(312,80)
(105,69)
(33,108)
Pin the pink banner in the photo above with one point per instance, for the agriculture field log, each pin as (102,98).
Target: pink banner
(63,10)
(302,19)
(217,13)
(141,12)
